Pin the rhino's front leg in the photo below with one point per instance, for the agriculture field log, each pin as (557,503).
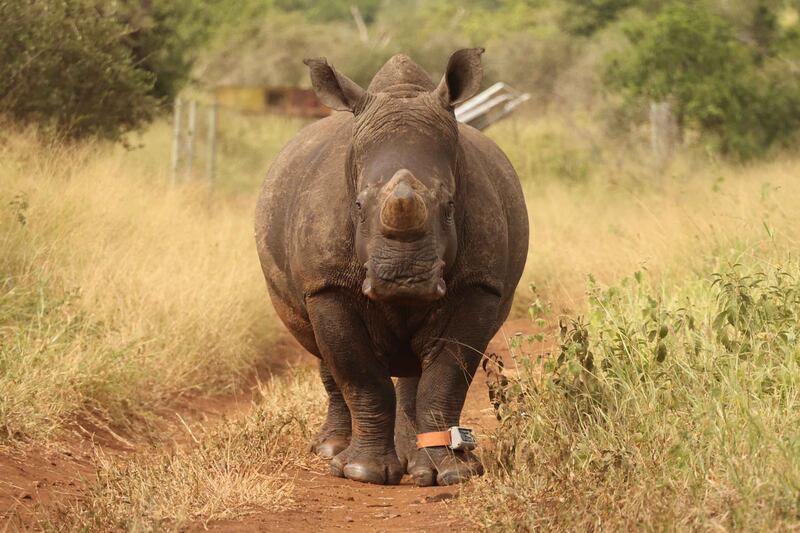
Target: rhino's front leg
(405,429)
(335,433)
(449,364)
(366,385)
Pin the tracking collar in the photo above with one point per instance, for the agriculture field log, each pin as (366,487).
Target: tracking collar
(455,438)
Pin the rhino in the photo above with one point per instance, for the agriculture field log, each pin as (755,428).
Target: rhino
(392,239)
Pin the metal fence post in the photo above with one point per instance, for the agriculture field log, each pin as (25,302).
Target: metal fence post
(190,138)
(665,132)
(176,141)
(211,141)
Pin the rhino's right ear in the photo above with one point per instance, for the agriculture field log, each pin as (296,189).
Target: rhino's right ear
(463,77)
(335,90)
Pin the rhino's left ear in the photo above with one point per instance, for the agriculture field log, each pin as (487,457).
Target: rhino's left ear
(335,90)
(463,77)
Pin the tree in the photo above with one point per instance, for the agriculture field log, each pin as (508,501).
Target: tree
(91,68)
(65,66)
(585,17)
(689,56)
(167,36)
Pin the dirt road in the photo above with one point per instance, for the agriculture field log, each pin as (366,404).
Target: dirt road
(49,476)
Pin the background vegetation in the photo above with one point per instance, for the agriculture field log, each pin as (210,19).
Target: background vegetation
(121,297)
(82,68)
(669,395)
(662,387)
(730,68)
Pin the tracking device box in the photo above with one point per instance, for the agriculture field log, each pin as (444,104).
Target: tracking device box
(462,438)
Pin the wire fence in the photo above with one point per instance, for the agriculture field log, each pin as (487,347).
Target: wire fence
(185,129)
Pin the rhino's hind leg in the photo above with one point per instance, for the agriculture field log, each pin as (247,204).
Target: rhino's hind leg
(405,432)
(443,387)
(366,386)
(334,436)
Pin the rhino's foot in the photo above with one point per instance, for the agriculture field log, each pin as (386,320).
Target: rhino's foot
(405,441)
(329,446)
(442,466)
(360,464)
(407,453)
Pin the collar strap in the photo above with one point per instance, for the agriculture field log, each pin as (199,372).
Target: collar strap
(434,438)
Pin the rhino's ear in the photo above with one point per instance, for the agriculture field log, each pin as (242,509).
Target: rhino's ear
(463,76)
(335,90)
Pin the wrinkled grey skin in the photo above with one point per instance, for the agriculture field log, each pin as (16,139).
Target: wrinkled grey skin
(392,239)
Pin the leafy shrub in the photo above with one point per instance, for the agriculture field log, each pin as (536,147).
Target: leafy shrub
(676,410)
(65,66)
(165,38)
(583,17)
(88,68)
(691,57)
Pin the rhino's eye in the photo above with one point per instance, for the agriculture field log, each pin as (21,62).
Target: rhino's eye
(451,207)
(360,211)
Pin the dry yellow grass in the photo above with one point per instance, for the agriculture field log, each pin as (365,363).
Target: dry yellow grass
(217,473)
(622,212)
(118,294)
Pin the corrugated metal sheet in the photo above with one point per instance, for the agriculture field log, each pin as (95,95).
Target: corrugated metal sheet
(491,105)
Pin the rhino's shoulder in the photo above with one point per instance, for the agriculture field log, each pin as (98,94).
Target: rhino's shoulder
(495,232)
(303,234)
(305,160)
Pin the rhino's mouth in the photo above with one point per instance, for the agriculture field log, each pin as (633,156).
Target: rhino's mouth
(404,270)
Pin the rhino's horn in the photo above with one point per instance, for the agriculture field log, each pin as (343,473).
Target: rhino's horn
(403,208)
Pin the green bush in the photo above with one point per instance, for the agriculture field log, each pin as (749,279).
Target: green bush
(65,66)
(167,36)
(83,68)
(666,407)
(718,84)
(582,17)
